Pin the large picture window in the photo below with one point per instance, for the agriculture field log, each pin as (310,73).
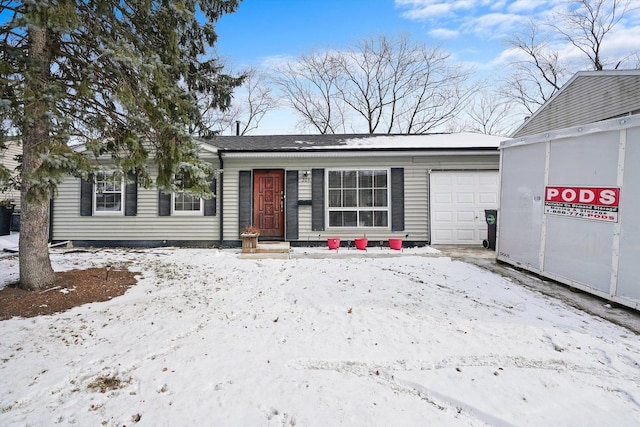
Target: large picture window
(108,194)
(358,198)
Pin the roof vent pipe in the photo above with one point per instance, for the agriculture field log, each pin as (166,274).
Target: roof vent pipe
(237,127)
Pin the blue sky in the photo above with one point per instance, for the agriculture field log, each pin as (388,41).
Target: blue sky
(474,32)
(261,32)
(262,29)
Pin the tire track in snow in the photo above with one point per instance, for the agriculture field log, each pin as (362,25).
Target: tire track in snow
(495,361)
(380,374)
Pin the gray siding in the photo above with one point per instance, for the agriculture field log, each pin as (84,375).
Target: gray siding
(145,226)
(7,157)
(587,98)
(416,170)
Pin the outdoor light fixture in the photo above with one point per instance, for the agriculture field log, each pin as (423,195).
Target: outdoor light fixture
(306,175)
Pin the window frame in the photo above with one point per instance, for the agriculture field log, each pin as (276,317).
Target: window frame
(358,209)
(174,212)
(96,186)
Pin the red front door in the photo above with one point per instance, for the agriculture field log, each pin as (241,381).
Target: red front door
(268,202)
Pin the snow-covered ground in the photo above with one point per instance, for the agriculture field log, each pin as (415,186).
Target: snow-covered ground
(9,245)
(209,338)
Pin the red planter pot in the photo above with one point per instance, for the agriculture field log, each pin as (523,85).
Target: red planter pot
(362,244)
(395,244)
(334,243)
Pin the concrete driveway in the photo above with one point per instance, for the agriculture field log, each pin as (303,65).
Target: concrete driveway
(591,304)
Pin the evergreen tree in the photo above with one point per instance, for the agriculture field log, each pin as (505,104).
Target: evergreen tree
(120,77)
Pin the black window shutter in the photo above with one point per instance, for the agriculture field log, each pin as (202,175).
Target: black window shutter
(86,196)
(164,204)
(397,199)
(131,195)
(291,213)
(317,199)
(244,195)
(210,204)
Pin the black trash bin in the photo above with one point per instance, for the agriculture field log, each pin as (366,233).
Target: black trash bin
(15,222)
(6,212)
(491,216)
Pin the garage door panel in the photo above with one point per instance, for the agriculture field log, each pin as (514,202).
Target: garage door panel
(488,179)
(462,216)
(445,216)
(442,198)
(465,198)
(488,199)
(457,204)
(467,236)
(464,180)
(443,235)
(442,180)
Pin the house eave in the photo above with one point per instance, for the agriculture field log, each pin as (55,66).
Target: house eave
(327,153)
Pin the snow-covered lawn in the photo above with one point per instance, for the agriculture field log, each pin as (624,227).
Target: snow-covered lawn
(208,338)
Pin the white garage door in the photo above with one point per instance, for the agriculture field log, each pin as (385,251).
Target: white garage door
(458,201)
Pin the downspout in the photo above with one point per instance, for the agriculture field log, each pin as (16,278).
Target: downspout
(221,198)
(221,178)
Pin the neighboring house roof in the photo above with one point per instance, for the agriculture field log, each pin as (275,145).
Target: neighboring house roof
(355,142)
(589,96)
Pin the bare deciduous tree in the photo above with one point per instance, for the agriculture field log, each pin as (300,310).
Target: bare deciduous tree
(584,24)
(367,79)
(439,92)
(539,74)
(387,85)
(250,103)
(490,114)
(309,84)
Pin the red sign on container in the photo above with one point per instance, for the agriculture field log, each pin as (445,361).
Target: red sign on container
(595,203)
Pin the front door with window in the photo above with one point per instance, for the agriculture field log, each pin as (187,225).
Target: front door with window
(268,202)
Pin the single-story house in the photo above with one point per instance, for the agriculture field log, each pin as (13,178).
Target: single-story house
(304,189)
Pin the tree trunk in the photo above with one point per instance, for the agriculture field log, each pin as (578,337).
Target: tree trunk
(35,266)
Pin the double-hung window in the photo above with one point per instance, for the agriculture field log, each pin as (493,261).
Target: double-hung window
(108,194)
(358,198)
(184,203)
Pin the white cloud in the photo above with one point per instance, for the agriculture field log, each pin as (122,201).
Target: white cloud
(275,61)
(490,18)
(622,44)
(494,25)
(428,11)
(498,5)
(520,6)
(508,56)
(443,33)
(421,10)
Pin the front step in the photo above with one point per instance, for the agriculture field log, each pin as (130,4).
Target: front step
(272,248)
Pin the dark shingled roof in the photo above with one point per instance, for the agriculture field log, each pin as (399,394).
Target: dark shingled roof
(433,141)
(280,142)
